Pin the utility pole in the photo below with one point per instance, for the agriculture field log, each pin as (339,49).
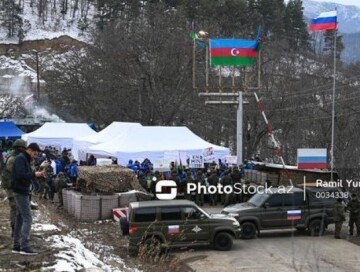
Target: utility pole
(239,116)
(37,74)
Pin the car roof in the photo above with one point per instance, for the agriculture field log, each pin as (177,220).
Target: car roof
(160,203)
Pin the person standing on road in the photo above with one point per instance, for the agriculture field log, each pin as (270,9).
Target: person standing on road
(354,208)
(22,177)
(18,146)
(60,184)
(227,199)
(213,181)
(200,181)
(339,217)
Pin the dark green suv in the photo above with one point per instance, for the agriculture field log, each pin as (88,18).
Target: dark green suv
(177,223)
(283,208)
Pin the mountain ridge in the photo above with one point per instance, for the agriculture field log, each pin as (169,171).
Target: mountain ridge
(348,25)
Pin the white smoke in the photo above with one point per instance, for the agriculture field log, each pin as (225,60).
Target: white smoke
(19,85)
(42,114)
(15,77)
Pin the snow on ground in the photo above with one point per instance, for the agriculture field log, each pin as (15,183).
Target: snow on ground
(16,67)
(72,253)
(44,227)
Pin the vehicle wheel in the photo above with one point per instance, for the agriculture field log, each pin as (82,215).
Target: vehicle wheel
(248,230)
(124,226)
(223,241)
(316,227)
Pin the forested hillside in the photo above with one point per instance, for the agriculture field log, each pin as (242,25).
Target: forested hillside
(138,67)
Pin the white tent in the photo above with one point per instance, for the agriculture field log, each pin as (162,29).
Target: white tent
(59,135)
(155,143)
(115,129)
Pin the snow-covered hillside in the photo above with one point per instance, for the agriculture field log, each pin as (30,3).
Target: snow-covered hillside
(348,16)
(55,23)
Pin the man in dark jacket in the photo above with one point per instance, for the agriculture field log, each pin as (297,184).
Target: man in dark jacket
(22,176)
(199,180)
(60,184)
(354,208)
(6,176)
(213,181)
(339,217)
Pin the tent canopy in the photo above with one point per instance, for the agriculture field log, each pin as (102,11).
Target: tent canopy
(8,130)
(115,129)
(154,143)
(58,134)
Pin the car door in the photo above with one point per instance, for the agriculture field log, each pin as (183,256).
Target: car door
(172,224)
(272,215)
(195,224)
(293,209)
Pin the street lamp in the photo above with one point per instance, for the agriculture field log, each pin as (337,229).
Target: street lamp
(37,74)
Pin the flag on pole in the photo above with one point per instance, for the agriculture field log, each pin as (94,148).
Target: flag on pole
(195,37)
(29,99)
(325,21)
(237,52)
(259,38)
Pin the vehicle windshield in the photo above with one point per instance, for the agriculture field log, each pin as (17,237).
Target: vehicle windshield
(258,199)
(203,211)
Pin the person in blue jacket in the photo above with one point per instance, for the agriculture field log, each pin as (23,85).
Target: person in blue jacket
(73,172)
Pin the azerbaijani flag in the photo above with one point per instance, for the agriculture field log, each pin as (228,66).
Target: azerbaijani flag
(311,158)
(325,21)
(229,52)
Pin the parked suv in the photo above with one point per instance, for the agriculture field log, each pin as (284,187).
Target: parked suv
(286,207)
(177,223)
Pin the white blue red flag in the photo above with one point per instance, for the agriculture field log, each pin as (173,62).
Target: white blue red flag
(325,21)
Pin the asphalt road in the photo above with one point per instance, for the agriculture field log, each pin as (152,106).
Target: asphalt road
(285,250)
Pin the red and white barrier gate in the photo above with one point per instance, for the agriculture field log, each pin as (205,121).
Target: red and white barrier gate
(119,212)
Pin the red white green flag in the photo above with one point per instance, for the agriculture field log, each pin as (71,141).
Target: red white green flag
(233,52)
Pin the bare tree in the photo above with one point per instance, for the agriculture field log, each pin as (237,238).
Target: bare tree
(11,106)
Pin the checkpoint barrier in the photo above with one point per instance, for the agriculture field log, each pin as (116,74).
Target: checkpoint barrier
(92,207)
(119,213)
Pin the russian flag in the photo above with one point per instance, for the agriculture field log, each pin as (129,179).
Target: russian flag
(174,229)
(294,215)
(312,158)
(325,21)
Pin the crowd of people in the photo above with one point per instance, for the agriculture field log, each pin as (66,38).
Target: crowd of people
(28,172)
(211,174)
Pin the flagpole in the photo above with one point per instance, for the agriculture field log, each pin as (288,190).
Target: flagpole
(207,67)
(333,114)
(194,67)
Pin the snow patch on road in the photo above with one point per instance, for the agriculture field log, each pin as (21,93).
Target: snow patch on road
(44,227)
(73,255)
